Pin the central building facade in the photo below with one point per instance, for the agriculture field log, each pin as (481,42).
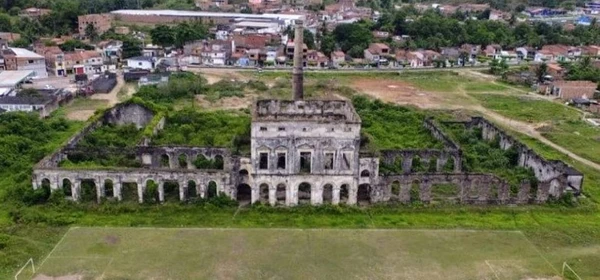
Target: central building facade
(304,151)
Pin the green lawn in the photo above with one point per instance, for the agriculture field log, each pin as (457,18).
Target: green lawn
(188,253)
(578,136)
(484,86)
(528,109)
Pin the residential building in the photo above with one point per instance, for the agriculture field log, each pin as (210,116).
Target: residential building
(556,53)
(23,59)
(593,51)
(525,53)
(316,58)
(289,50)
(338,57)
(216,52)
(493,51)
(429,57)
(141,62)
(110,50)
(34,13)
(55,60)
(44,103)
(556,71)
(568,90)
(377,52)
(410,59)
(101,22)
(153,51)
(380,34)
(472,50)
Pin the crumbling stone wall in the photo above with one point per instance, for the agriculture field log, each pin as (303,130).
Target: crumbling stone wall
(141,177)
(441,157)
(546,171)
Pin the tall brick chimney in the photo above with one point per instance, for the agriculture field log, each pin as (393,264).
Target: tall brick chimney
(297,72)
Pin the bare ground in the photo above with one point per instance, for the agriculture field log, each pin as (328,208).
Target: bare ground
(112,98)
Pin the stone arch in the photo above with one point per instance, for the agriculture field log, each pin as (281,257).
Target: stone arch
(474,189)
(46,188)
(171,190)
(243,172)
(365,173)
(243,194)
(211,190)
(109,188)
(150,191)
(304,193)
(280,193)
(88,190)
(554,190)
(433,162)
(129,191)
(344,193)
(363,195)
(165,161)
(67,187)
(416,164)
(415,190)
(218,162)
(201,162)
(327,193)
(395,190)
(182,160)
(191,191)
(263,190)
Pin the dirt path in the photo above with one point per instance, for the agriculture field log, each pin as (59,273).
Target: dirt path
(525,128)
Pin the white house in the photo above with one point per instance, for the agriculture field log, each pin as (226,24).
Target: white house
(141,62)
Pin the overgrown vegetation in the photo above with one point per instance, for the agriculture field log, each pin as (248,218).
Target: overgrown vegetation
(388,126)
(484,156)
(206,129)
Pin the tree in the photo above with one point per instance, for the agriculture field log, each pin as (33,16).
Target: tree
(498,67)
(352,36)
(131,47)
(327,45)
(308,37)
(5,23)
(187,32)
(91,32)
(71,45)
(20,43)
(163,35)
(541,72)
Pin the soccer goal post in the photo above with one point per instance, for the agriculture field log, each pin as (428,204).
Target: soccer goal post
(30,261)
(568,272)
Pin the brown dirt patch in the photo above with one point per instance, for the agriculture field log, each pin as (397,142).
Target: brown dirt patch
(80,115)
(228,103)
(398,92)
(112,240)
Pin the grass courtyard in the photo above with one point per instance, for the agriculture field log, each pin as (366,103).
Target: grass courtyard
(188,253)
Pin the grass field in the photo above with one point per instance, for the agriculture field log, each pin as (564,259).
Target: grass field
(579,136)
(188,253)
(526,108)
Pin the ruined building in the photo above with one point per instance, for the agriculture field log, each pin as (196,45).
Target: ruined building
(304,151)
